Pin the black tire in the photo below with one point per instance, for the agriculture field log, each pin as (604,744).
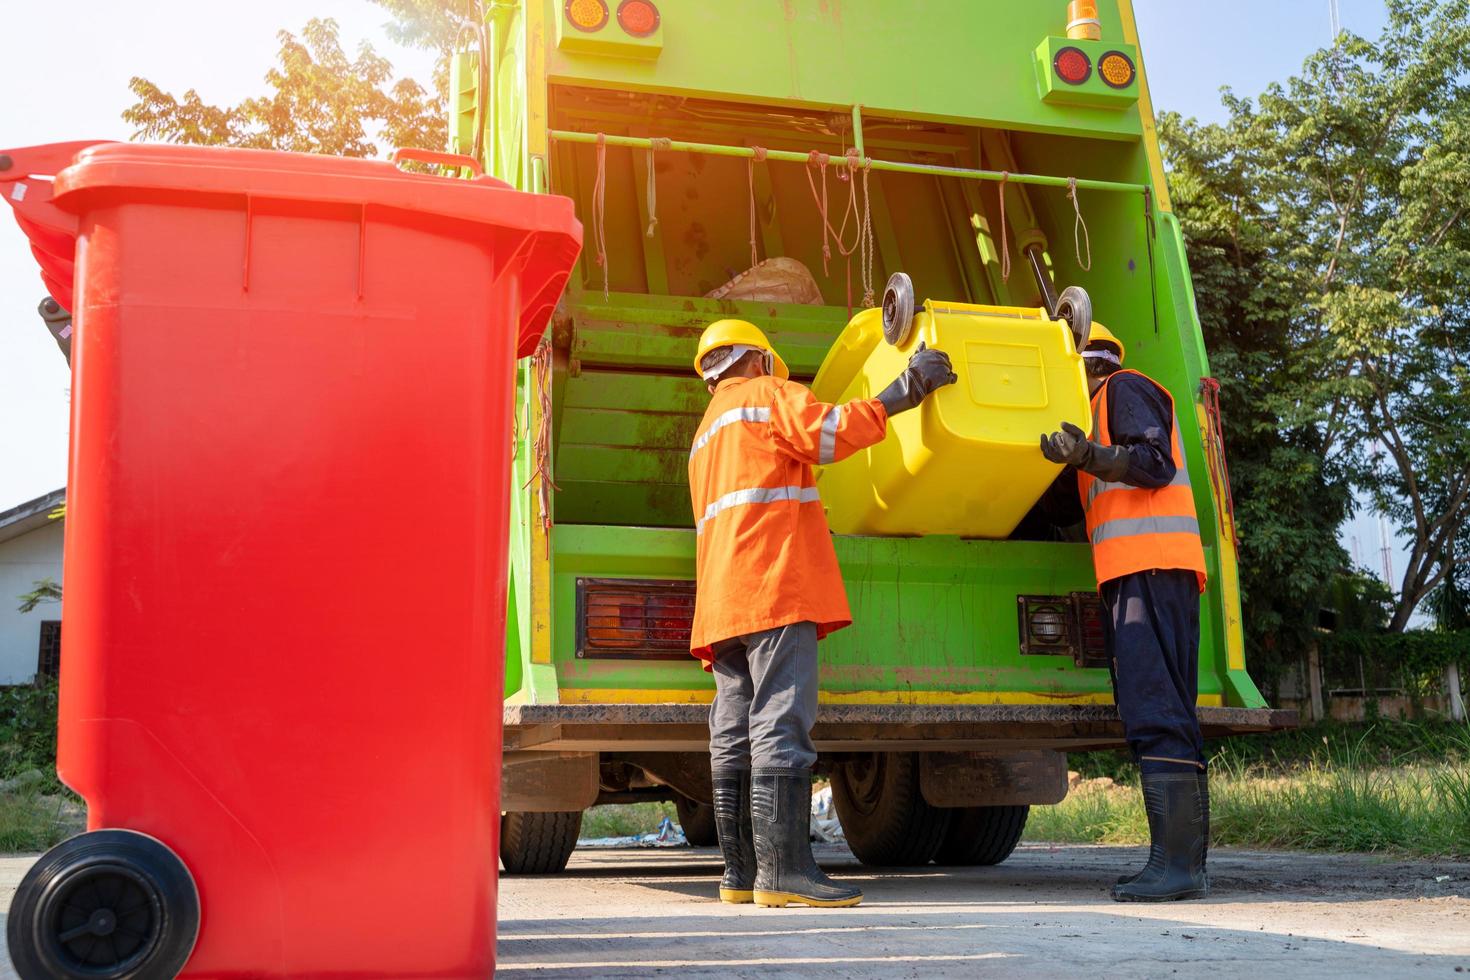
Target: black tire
(697,820)
(111,904)
(885,818)
(982,835)
(538,843)
(1075,306)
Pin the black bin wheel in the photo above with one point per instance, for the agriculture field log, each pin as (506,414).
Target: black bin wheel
(697,820)
(982,835)
(538,843)
(1075,306)
(106,905)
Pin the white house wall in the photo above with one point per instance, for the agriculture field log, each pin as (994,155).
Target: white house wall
(24,560)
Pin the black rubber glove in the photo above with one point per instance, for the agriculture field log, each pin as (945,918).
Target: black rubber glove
(1072,447)
(928,371)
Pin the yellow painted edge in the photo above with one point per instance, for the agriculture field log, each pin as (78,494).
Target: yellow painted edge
(610,695)
(540,584)
(536,129)
(1146,110)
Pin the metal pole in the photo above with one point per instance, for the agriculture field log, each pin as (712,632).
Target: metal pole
(857,129)
(791,156)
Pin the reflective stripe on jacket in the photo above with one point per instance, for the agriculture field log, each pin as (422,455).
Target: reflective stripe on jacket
(765,555)
(1136,529)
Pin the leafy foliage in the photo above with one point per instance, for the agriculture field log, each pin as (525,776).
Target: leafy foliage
(1327,232)
(46,590)
(28,731)
(321,101)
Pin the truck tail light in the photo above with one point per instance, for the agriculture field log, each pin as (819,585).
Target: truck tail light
(1064,626)
(1072,65)
(634,618)
(587,15)
(638,17)
(1116,69)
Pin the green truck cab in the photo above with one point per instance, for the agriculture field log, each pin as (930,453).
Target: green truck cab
(968,143)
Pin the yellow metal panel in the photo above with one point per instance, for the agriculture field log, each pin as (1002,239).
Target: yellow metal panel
(1146,111)
(642,696)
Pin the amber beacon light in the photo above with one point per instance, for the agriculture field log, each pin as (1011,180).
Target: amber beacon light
(1082,21)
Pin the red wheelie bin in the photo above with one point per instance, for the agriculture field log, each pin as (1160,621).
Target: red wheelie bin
(287,512)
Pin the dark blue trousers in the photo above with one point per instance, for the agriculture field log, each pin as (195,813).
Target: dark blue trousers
(1153,645)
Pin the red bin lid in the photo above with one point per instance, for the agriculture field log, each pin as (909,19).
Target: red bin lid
(48,186)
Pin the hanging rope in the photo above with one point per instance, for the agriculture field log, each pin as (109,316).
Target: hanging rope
(867,239)
(655,143)
(860,221)
(1215,449)
(816,159)
(1079,225)
(750,162)
(599,210)
(1148,238)
(541,445)
(1005,243)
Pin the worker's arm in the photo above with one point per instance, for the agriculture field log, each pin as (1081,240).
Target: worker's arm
(812,431)
(1141,421)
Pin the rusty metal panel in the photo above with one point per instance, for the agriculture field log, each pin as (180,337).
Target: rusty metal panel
(978,779)
(544,782)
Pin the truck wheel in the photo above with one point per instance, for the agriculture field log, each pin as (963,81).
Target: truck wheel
(110,903)
(885,818)
(538,843)
(697,820)
(982,835)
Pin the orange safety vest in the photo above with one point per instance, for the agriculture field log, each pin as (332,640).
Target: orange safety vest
(1134,529)
(764,553)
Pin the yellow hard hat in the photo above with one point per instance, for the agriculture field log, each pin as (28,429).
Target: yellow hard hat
(1100,334)
(732,333)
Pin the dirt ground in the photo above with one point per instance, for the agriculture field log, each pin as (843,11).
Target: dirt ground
(1044,913)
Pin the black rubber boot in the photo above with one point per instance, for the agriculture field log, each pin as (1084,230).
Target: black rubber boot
(1203,780)
(1204,861)
(786,873)
(1175,868)
(737,841)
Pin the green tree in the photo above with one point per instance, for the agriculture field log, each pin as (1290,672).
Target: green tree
(320,101)
(1336,203)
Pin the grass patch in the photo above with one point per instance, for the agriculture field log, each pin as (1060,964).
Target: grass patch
(625,819)
(32,821)
(1347,796)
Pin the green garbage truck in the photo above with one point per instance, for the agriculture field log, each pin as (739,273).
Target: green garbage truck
(778,161)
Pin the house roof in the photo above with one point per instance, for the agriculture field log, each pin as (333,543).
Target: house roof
(30,515)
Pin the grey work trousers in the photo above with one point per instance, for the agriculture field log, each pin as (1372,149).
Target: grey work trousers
(765,700)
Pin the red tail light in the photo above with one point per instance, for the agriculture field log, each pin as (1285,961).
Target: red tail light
(1072,65)
(638,17)
(634,618)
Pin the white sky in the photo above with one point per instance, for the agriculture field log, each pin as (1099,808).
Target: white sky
(73,71)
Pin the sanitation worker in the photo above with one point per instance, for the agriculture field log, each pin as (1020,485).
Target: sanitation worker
(1140,516)
(768,590)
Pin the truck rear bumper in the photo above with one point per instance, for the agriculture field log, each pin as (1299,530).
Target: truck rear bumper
(858,727)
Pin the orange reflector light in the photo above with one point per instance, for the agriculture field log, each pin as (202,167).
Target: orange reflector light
(1072,66)
(1116,69)
(638,17)
(587,15)
(634,618)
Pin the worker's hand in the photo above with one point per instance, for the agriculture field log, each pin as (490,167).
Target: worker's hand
(928,371)
(1071,447)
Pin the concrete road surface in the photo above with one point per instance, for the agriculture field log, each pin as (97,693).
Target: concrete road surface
(1044,913)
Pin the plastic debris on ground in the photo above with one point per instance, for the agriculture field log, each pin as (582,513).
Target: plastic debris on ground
(667,835)
(825,827)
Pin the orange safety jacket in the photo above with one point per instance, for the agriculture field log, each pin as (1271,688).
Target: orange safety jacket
(764,551)
(1135,529)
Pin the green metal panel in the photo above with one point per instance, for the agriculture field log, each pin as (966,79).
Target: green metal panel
(936,615)
(959,60)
